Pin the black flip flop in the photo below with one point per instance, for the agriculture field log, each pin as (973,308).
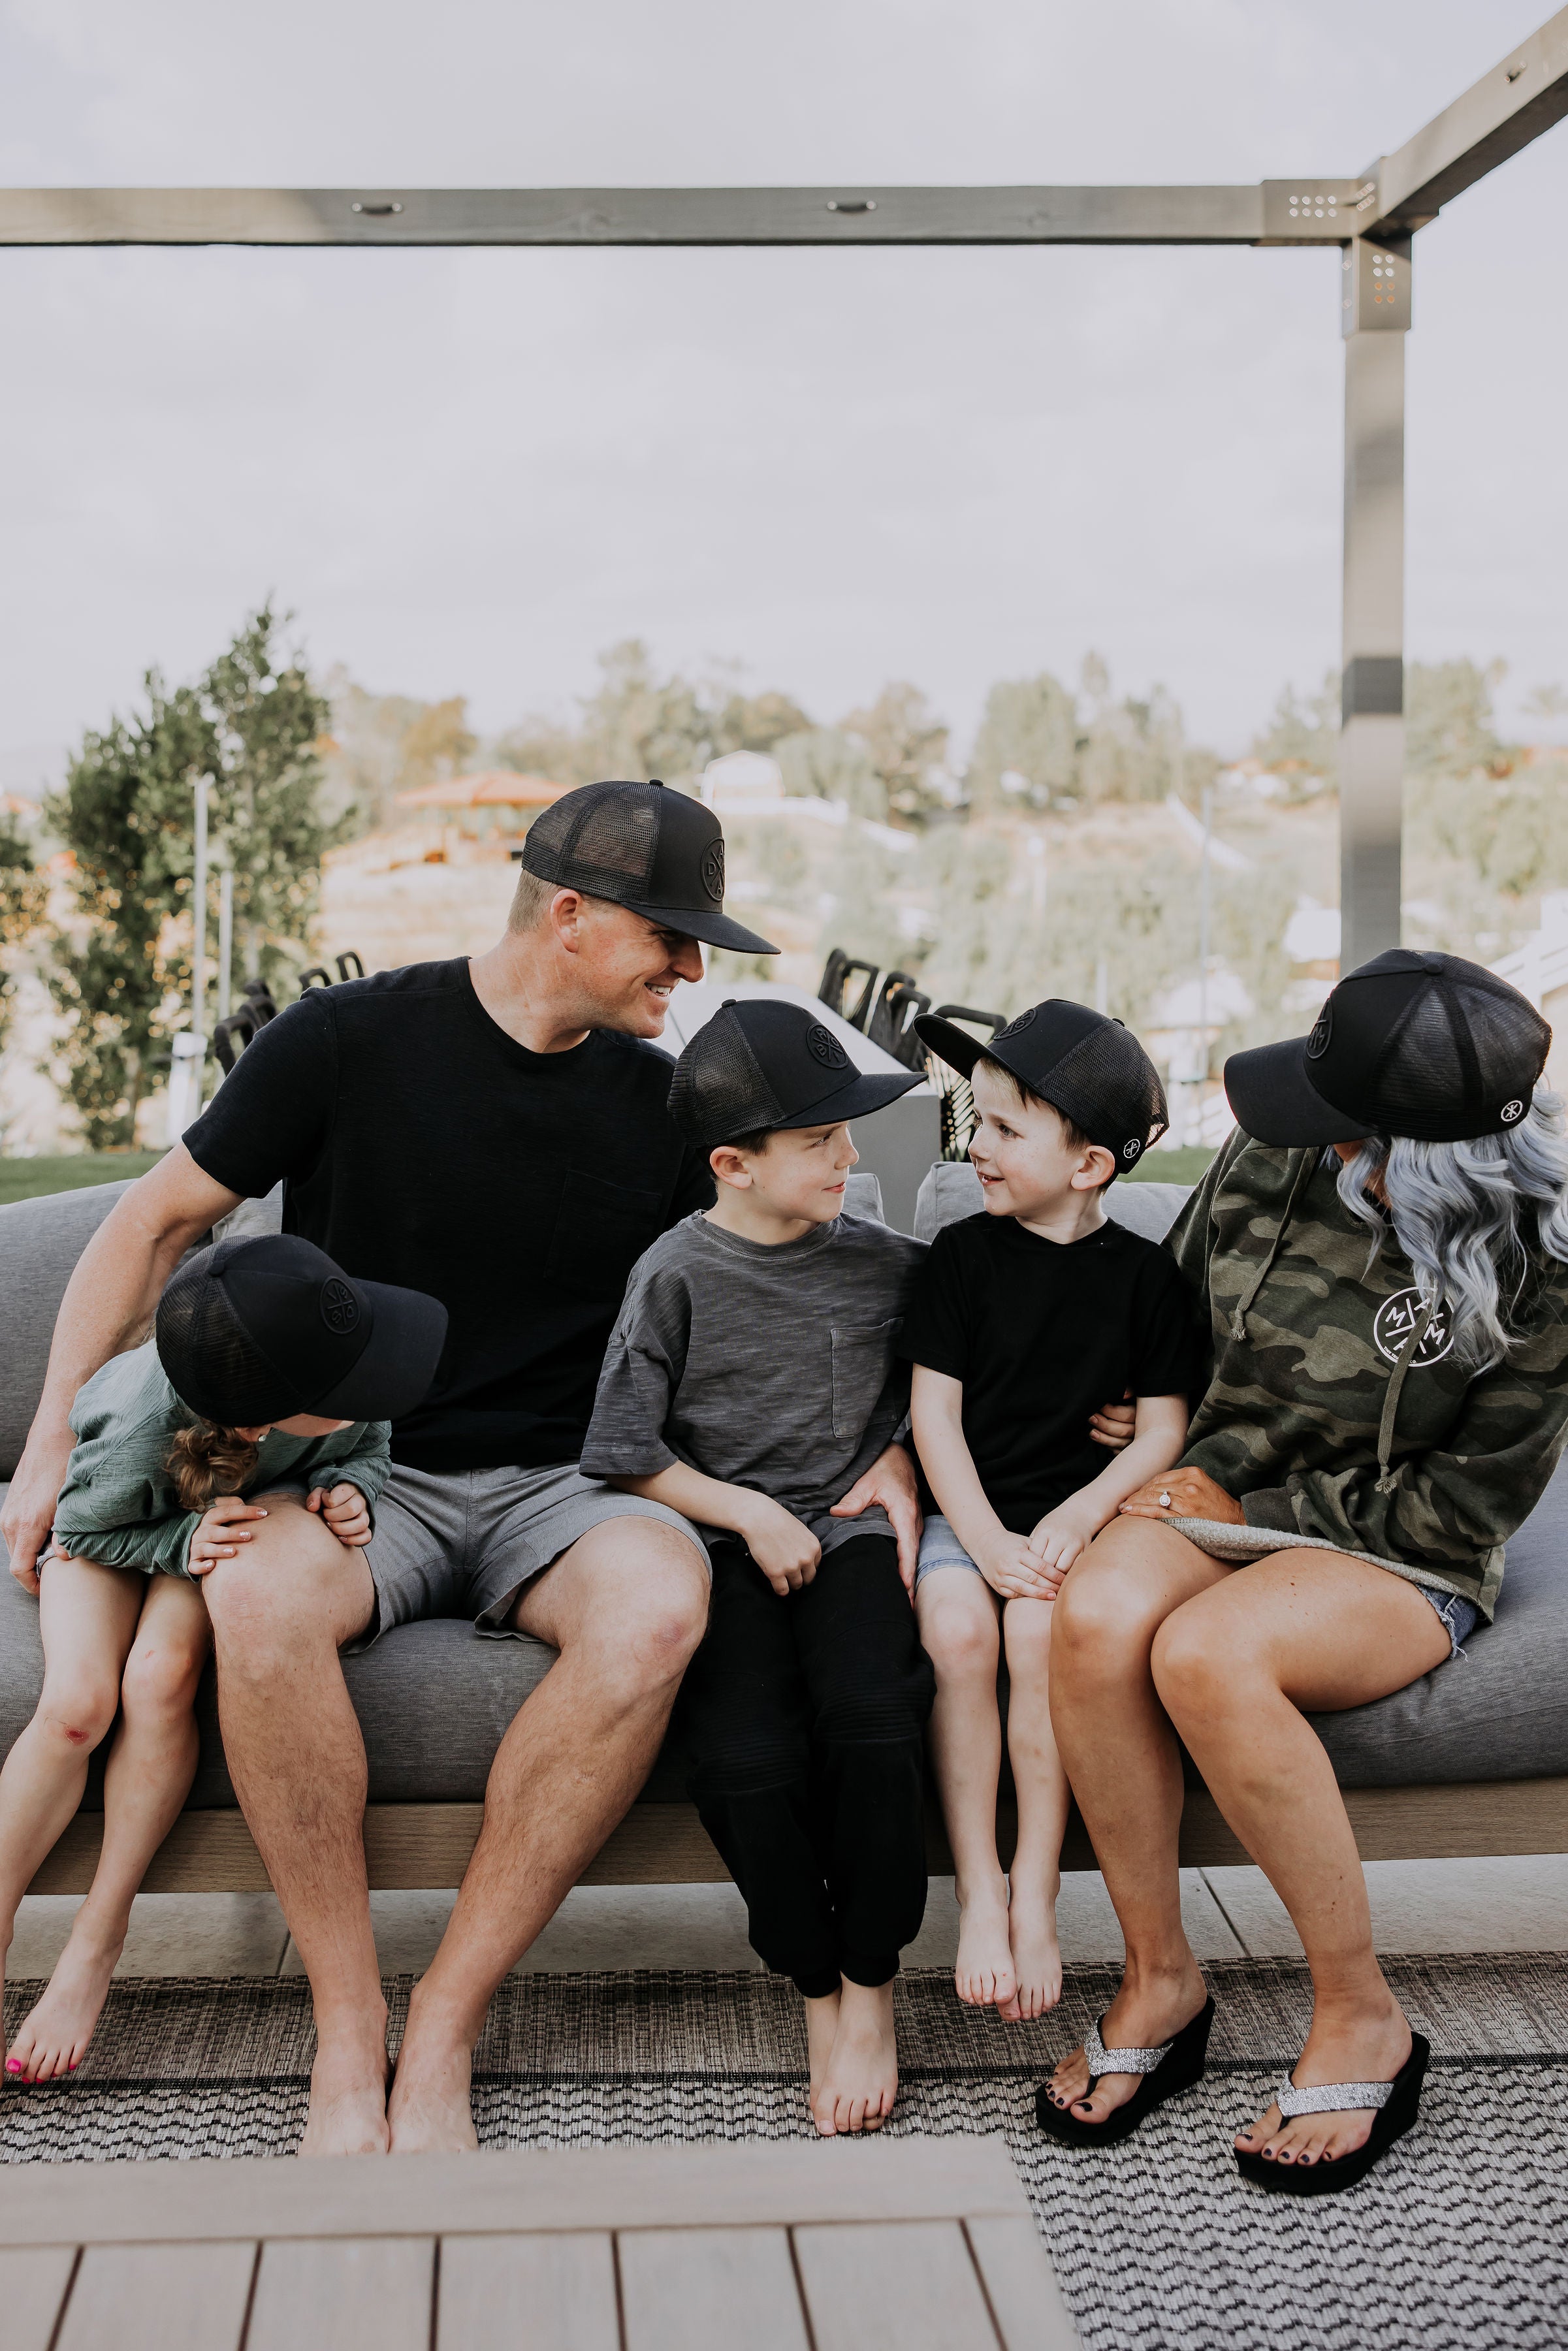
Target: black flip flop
(1397,2103)
(1166,2071)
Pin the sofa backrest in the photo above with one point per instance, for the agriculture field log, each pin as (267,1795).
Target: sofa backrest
(40,1241)
(951,1190)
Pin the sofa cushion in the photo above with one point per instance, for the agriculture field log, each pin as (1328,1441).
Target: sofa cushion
(951,1190)
(40,1241)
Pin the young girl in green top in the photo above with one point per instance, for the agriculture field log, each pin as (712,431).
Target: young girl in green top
(271,1372)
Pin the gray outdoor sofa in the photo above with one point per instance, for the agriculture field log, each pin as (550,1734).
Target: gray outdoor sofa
(1473,1759)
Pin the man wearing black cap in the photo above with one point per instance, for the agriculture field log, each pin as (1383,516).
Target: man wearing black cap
(493,1132)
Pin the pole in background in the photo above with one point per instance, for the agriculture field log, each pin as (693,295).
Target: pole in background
(226,941)
(1203,957)
(1375,318)
(1102,986)
(199,915)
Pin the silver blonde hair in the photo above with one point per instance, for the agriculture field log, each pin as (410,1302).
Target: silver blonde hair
(1470,1218)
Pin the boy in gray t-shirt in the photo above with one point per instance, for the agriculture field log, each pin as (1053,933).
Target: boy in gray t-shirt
(750,1383)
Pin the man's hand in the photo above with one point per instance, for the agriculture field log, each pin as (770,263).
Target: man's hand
(29,1510)
(1060,1535)
(222,1531)
(784,1551)
(1115,1425)
(1012,1567)
(345,1510)
(890,1480)
(1189,1494)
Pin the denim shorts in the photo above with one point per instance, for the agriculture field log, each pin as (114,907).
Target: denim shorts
(1459,1617)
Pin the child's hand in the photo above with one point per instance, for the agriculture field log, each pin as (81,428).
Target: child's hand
(345,1510)
(784,1551)
(1060,1535)
(221,1532)
(1011,1567)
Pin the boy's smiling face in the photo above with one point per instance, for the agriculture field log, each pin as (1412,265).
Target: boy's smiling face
(1021,1152)
(795,1181)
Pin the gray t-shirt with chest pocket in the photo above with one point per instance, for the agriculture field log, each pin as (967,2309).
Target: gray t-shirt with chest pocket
(771,1367)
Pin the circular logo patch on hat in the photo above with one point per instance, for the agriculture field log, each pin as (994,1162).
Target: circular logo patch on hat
(712,870)
(1131,1150)
(824,1047)
(1511,1111)
(1016,1028)
(1397,1317)
(339,1307)
(1322,1029)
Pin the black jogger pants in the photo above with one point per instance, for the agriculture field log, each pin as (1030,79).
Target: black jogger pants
(805,1717)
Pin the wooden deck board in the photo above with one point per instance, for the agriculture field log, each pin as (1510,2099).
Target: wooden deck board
(528,2293)
(343,2294)
(709,2289)
(158,2298)
(881,2287)
(33,2281)
(1020,2286)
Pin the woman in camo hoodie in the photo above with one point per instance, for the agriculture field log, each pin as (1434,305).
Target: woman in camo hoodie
(1383,1249)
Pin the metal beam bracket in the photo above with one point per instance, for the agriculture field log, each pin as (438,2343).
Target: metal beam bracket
(1315,212)
(1374,287)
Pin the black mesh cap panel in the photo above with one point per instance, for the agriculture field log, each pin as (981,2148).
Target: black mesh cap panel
(1107,1085)
(212,1367)
(605,837)
(718,1089)
(1454,1055)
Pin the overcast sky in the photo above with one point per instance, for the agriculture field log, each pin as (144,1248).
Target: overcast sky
(467,473)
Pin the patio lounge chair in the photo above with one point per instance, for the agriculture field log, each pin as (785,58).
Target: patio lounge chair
(1473,1760)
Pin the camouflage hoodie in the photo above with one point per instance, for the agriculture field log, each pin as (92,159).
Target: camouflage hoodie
(1333,1411)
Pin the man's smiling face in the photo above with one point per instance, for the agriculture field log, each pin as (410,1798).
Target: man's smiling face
(631,967)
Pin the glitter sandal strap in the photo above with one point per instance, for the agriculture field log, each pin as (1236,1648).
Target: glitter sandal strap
(1331,2097)
(1121,2061)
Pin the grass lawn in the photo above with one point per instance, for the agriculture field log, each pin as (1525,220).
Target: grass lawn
(1184,1167)
(24,1179)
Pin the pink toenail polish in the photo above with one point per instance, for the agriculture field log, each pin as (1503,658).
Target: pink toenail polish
(12,2065)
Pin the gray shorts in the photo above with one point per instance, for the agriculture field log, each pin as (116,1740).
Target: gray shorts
(464,1542)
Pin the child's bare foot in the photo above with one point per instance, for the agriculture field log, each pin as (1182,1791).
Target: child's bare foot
(984,1973)
(861,2079)
(1037,1955)
(52,2039)
(822,2025)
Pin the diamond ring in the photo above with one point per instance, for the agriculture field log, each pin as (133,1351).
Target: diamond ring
(1164,1501)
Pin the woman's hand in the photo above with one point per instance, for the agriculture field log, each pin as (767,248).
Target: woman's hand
(1189,1494)
(784,1551)
(345,1510)
(221,1532)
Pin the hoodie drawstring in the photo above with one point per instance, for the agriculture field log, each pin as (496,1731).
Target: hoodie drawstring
(1245,1302)
(1387,1476)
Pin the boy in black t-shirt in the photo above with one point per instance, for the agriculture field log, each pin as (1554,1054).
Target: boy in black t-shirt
(1022,1319)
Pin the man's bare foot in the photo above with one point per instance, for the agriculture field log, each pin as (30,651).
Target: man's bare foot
(821,2024)
(349,2095)
(984,1974)
(1037,1955)
(1369,2047)
(1142,2016)
(52,2039)
(861,2079)
(429,2111)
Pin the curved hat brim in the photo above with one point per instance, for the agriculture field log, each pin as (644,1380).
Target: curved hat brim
(397,1366)
(873,1090)
(705,922)
(949,1042)
(1276,1103)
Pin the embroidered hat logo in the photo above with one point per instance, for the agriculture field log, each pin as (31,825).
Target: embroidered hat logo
(713,871)
(1511,1111)
(824,1047)
(1322,1029)
(339,1307)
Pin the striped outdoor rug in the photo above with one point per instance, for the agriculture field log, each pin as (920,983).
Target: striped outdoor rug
(1460,2239)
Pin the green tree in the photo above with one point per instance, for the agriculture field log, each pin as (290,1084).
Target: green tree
(1301,742)
(1029,736)
(22,896)
(906,744)
(826,763)
(121,966)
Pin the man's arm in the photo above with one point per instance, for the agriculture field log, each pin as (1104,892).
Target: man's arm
(108,1306)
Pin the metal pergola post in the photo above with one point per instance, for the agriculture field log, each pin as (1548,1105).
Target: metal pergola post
(1372,218)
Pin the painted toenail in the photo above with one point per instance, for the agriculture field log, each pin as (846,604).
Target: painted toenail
(12,2066)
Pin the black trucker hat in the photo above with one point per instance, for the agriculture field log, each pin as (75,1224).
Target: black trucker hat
(1427,1046)
(654,850)
(257,1331)
(1089,1068)
(764,1063)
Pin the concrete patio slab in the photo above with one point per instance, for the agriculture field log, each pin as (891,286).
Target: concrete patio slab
(1507,1903)
(171,1935)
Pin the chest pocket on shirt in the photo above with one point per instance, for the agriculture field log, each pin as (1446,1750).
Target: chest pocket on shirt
(863,1357)
(600,1231)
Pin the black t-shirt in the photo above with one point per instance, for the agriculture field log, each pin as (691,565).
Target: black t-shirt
(1042,1333)
(422,1145)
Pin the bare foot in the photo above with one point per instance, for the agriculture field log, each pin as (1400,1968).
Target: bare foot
(1037,1955)
(1140,2017)
(821,2024)
(984,1973)
(861,2079)
(1370,2047)
(429,2112)
(52,2039)
(349,2096)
